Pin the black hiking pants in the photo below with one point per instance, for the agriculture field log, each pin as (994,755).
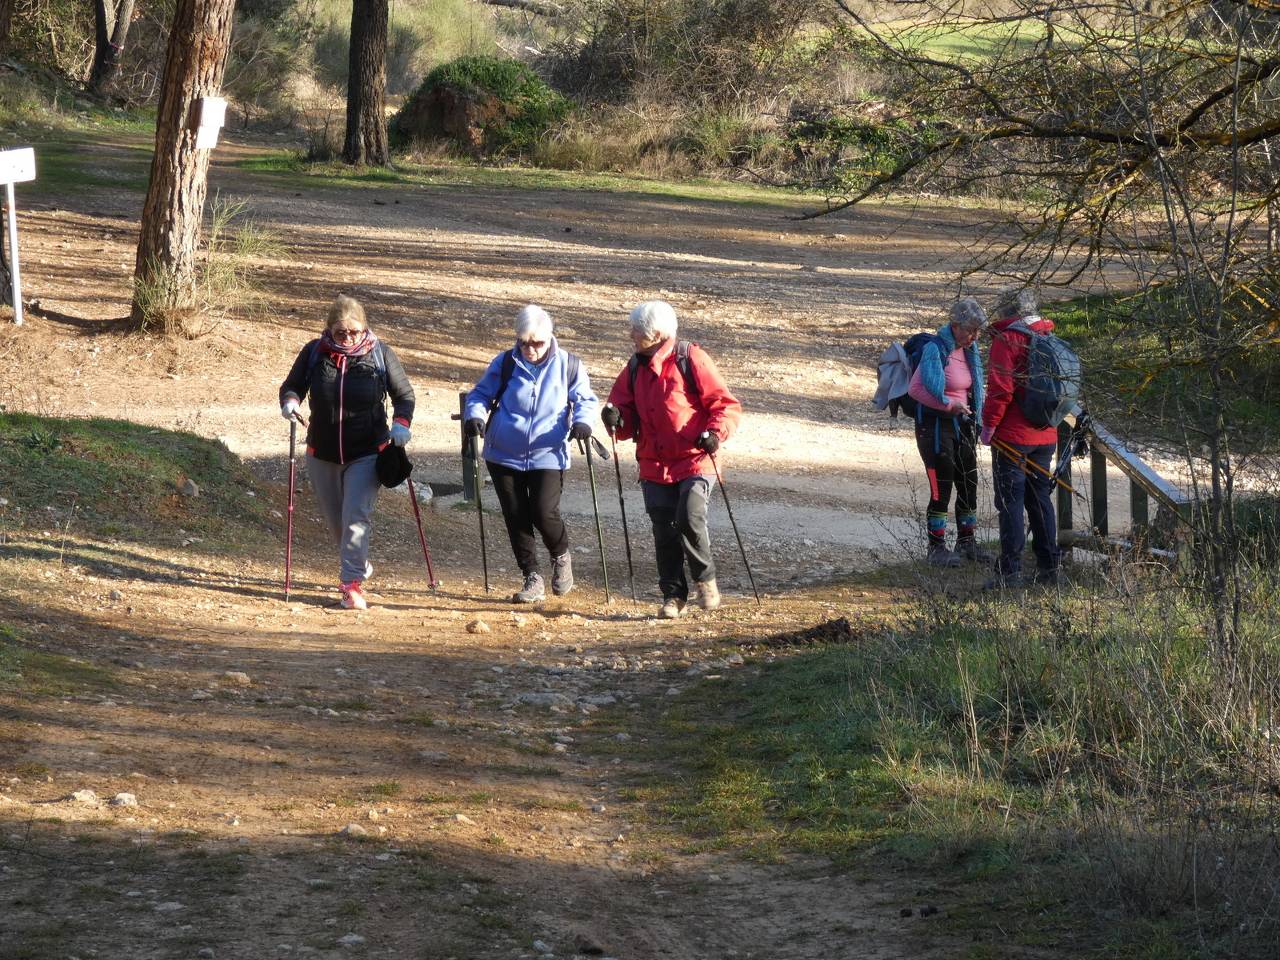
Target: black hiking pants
(530,500)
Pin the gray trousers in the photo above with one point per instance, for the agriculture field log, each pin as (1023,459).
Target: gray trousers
(346,493)
(678,512)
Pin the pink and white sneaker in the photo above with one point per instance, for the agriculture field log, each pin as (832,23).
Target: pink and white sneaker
(353,596)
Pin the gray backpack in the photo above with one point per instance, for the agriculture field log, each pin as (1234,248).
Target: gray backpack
(1052,387)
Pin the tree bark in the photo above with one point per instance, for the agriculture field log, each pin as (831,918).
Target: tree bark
(194,64)
(6,21)
(366,140)
(107,49)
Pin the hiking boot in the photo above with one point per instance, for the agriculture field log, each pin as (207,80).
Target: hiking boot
(1006,581)
(533,590)
(940,556)
(672,609)
(967,548)
(353,596)
(708,594)
(1048,578)
(561,574)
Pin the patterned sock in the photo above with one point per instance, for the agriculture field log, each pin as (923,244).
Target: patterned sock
(966,525)
(937,528)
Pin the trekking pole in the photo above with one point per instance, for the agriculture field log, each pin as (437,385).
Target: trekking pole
(741,549)
(479,481)
(422,537)
(293,480)
(591,473)
(1026,465)
(622,507)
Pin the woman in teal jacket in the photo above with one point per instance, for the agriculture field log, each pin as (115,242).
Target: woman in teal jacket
(536,398)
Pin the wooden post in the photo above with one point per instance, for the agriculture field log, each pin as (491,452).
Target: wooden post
(1139,513)
(1098,485)
(1065,533)
(469,477)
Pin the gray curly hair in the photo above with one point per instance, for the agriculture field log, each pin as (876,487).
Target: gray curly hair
(1016,302)
(967,312)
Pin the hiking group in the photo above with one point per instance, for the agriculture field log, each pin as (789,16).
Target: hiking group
(1032,382)
(535,400)
(532,403)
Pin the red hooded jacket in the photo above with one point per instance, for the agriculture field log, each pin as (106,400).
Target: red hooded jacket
(669,418)
(1006,376)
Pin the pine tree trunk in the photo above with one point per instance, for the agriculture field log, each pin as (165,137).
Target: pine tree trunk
(107,49)
(194,64)
(366,141)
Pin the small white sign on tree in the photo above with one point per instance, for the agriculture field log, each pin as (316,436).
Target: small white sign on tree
(16,166)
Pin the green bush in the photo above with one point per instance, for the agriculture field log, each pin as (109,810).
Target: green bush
(528,106)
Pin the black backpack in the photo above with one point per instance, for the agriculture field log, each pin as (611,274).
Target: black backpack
(1053,378)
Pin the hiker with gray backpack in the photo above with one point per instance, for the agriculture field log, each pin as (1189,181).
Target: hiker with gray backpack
(531,402)
(1033,382)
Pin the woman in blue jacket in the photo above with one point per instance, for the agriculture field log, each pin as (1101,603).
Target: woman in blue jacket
(537,398)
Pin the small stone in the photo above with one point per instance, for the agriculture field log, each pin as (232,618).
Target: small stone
(374,815)
(236,678)
(84,796)
(622,737)
(206,953)
(116,595)
(598,808)
(201,695)
(433,756)
(478,626)
(463,818)
(189,488)
(351,940)
(124,800)
(541,946)
(171,906)
(353,830)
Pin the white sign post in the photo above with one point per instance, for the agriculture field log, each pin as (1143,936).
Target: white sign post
(16,166)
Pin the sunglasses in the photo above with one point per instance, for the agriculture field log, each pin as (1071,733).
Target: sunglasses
(340,334)
(533,344)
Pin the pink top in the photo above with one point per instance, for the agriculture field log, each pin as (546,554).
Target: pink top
(959,380)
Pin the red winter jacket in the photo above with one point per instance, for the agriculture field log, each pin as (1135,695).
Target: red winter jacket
(669,418)
(1006,379)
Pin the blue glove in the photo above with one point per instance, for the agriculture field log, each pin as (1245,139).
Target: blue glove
(400,434)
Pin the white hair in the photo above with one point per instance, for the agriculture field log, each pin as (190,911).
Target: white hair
(654,318)
(533,322)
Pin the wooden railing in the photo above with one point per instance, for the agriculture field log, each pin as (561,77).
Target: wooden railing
(1144,485)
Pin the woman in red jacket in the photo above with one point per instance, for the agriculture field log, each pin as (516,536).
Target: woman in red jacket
(1017,489)
(672,401)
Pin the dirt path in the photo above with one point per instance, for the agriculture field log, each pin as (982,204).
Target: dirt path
(490,776)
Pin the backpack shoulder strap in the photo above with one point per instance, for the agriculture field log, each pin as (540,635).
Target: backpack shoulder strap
(632,366)
(504,378)
(685,366)
(572,363)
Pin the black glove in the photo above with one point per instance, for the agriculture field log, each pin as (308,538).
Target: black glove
(612,418)
(708,441)
(475,427)
(580,431)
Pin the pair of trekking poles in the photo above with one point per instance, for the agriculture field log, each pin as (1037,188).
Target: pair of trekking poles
(586,447)
(296,419)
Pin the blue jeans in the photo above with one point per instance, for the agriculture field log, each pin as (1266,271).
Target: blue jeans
(678,512)
(1018,490)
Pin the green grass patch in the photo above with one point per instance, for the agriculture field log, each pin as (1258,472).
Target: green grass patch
(28,670)
(1038,751)
(123,480)
(455,174)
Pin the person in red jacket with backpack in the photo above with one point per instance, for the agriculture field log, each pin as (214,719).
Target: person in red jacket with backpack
(672,401)
(1018,489)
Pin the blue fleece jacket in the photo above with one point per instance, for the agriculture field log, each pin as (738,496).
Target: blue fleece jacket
(933,362)
(530,428)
